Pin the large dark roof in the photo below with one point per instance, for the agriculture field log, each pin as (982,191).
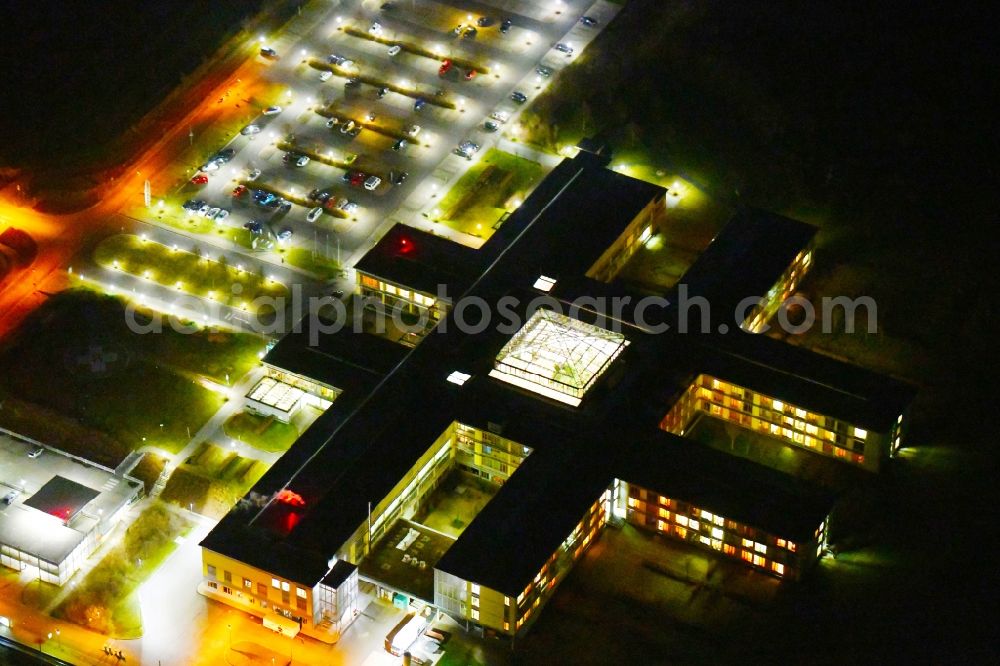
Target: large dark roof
(343,359)
(420,260)
(61,497)
(745,259)
(363,445)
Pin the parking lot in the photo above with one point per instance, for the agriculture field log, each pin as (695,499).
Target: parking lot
(363,114)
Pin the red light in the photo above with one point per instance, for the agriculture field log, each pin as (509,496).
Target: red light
(287,496)
(405,245)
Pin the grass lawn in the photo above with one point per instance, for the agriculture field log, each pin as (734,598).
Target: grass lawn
(78,377)
(212,480)
(315,263)
(105,600)
(186,271)
(261,433)
(490,188)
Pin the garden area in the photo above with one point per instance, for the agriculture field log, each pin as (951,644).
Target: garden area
(493,186)
(212,480)
(260,432)
(105,601)
(75,376)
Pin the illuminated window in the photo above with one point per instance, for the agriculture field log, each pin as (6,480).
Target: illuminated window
(747,543)
(506,601)
(860,434)
(706,515)
(791,546)
(729,549)
(285,587)
(778,405)
(247,583)
(681,520)
(694,524)
(475,601)
(475,613)
(300,593)
(716,533)
(681,532)
(746,555)
(506,625)
(782,543)
(275,584)
(544,283)
(760,548)
(475,588)
(778,568)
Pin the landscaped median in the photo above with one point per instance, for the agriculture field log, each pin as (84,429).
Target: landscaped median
(186,272)
(261,432)
(212,480)
(415,49)
(331,112)
(106,600)
(492,187)
(380,83)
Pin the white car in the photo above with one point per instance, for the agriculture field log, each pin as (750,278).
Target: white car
(302,161)
(314,214)
(326,76)
(376,28)
(254,174)
(394,50)
(272,110)
(413,130)
(250,130)
(221,215)
(212,212)
(203,211)
(500,116)
(372,182)
(348,206)
(564,48)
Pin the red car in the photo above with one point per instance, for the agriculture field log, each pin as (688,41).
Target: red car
(470,74)
(357,178)
(445,66)
(199,179)
(240,191)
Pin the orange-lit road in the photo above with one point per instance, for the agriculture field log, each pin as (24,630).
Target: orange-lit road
(60,237)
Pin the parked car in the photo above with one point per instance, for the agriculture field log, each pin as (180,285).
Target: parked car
(484,22)
(564,48)
(419,104)
(470,33)
(347,205)
(268,52)
(212,212)
(37,451)
(376,28)
(372,182)
(491,126)
(203,210)
(221,215)
(470,74)
(588,21)
(272,110)
(333,122)
(519,97)
(500,116)
(250,130)
(505,25)
(413,130)
(543,71)
(253,175)
(314,214)
(326,76)
(457,30)
(394,50)
(467,149)
(9,498)
(399,178)
(199,179)
(445,66)
(192,204)
(399,145)
(382,92)
(239,191)
(284,235)
(352,82)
